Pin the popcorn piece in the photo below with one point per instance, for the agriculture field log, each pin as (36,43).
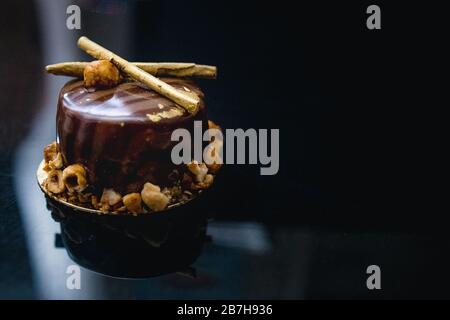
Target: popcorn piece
(133,202)
(199,170)
(153,197)
(74,177)
(101,74)
(54,182)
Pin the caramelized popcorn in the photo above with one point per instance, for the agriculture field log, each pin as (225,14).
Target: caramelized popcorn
(153,197)
(133,202)
(74,177)
(101,74)
(54,182)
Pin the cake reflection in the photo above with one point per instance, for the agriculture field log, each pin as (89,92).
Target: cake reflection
(128,246)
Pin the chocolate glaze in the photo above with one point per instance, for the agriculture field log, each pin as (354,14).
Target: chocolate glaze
(111,133)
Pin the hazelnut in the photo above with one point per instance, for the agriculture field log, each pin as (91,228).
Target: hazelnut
(153,197)
(110,197)
(199,170)
(54,182)
(186,181)
(101,74)
(212,125)
(212,157)
(53,158)
(50,151)
(57,162)
(84,197)
(94,202)
(213,168)
(205,184)
(74,177)
(133,202)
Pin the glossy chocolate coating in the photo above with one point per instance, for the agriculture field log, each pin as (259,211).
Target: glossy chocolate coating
(122,134)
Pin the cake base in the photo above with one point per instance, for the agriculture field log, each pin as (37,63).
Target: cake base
(125,246)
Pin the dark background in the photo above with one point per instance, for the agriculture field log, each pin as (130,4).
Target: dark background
(355,107)
(360,113)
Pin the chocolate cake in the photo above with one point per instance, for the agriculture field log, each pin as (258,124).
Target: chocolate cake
(113,146)
(122,135)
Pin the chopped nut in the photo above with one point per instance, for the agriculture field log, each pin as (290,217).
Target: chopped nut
(104,207)
(110,197)
(206,183)
(153,197)
(133,202)
(74,177)
(57,162)
(46,167)
(101,74)
(54,182)
(212,125)
(53,158)
(94,202)
(122,209)
(199,170)
(212,156)
(72,198)
(174,175)
(152,187)
(84,197)
(50,151)
(213,168)
(186,181)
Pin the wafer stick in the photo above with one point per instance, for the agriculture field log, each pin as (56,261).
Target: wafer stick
(190,103)
(171,69)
